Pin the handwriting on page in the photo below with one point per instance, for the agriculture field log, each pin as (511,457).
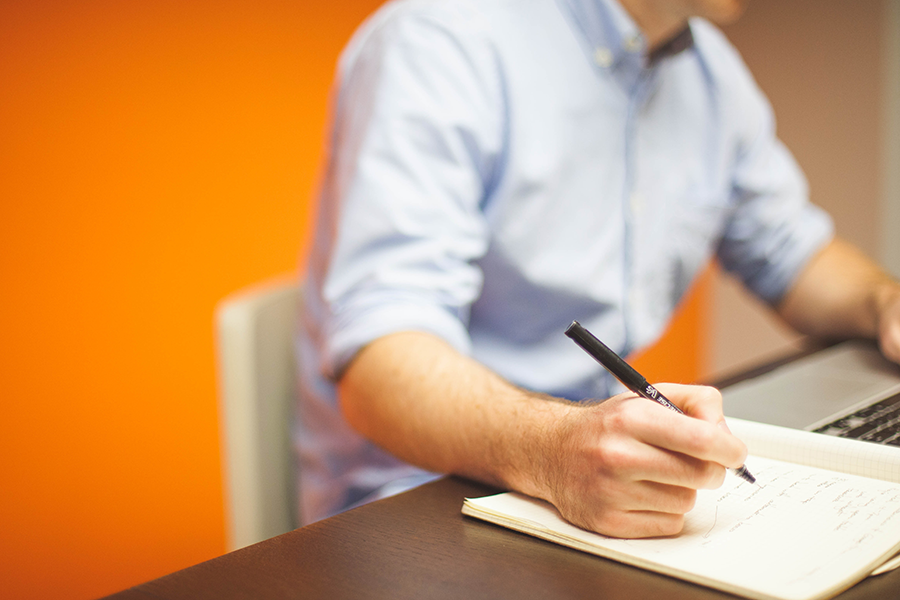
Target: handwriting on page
(824,497)
(834,515)
(800,529)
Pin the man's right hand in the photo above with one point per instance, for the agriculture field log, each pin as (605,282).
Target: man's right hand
(628,467)
(625,467)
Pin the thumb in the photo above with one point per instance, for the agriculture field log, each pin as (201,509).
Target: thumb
(698,401)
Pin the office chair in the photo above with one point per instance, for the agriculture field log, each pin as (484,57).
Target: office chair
(256,371)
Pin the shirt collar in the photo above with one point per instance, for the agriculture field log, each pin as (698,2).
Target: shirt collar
(614,36)
(682,41)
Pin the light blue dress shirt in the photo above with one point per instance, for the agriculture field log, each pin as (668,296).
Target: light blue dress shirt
(498,168)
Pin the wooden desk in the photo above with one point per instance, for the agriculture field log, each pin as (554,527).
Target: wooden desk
(417,545)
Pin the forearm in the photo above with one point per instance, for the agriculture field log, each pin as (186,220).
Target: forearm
(841,293)
(419,399)
(625,467)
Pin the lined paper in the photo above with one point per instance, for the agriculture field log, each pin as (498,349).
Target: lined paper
(817,450)
(803,533)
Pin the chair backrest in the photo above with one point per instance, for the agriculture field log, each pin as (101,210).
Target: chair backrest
(257,384)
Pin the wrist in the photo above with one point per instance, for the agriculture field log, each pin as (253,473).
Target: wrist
(537,455)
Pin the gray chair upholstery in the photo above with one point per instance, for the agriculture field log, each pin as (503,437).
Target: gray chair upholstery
(256,372)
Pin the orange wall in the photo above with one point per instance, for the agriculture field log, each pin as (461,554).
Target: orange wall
(154,156)
(681,355)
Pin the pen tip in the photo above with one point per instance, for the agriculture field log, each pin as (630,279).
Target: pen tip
(744,474)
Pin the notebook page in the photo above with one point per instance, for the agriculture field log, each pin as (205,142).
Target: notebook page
(805,533)
(817,450)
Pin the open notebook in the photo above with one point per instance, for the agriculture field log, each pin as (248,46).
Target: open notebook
(826,514)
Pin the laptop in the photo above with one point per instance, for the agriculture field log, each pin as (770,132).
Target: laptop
(848,390)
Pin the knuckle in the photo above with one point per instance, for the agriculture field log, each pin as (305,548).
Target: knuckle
(687,501)
(712,476)
(627,414)
(707,396)
(675,525)
(703,440)
(621,418)
(669,525)
(718,477)
(743,451)
(613,457)
(711,394)
(618,523)
(611,522)
(600,517)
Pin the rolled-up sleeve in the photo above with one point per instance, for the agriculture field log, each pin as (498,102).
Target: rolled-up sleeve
(415,152)
(774,230)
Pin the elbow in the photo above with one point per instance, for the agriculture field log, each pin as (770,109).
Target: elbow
(351,406)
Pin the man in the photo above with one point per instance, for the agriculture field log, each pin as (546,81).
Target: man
(499,168)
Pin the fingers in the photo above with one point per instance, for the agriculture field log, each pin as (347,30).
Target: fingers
(637,524)
(633,459)
(652,496)
(698,401)
(652,464)
(697,440)
(639,509)
(657,426)
(648,509)
(889,330)
(634,524)
(629,467)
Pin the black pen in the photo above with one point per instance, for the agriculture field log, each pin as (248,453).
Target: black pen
(630,378)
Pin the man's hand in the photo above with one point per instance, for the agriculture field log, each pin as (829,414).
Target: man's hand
(624,467)
(628,467)
(889,321)
(842,293)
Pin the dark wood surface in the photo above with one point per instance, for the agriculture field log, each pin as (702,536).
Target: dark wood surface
(418,545)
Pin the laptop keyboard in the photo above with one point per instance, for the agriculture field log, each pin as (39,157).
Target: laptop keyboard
(879,422)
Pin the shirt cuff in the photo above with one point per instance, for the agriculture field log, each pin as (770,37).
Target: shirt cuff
(364,327)
(784,264)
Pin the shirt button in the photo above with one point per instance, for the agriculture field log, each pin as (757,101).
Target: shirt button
(633,44)
(603,57)
(637,202)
